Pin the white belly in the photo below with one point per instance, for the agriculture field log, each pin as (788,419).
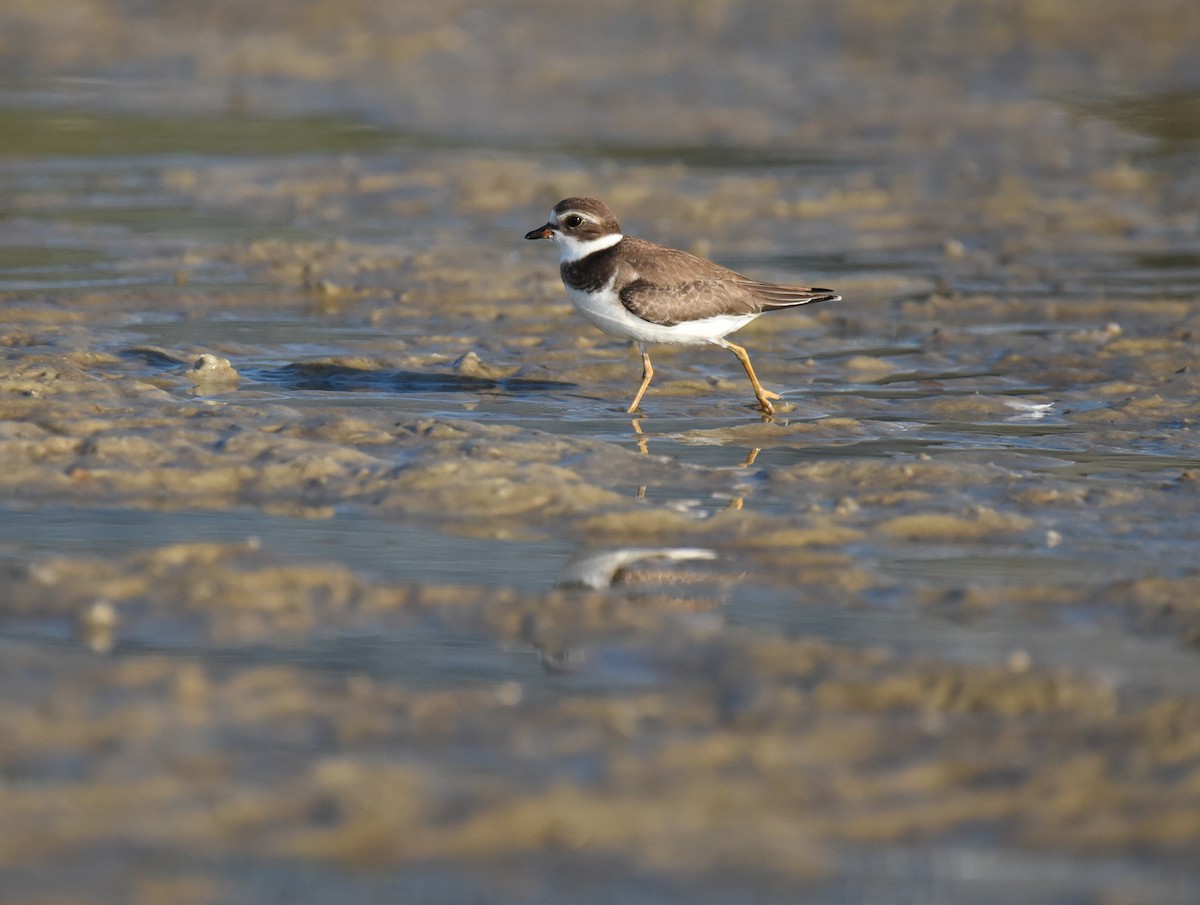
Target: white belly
(604,310)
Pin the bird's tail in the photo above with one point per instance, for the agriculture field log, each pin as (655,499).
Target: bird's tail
(774,296)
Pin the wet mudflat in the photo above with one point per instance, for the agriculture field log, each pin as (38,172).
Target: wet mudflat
(334,569)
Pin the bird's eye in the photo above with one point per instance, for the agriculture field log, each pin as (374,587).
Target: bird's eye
(573,221)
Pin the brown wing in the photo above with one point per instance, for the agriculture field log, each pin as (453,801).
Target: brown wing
(670,305)
(775,295)
(667,286)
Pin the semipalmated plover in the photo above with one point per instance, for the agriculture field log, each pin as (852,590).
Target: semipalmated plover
(653,294)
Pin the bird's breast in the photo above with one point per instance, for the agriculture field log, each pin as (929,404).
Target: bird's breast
(581,276)
(601,306)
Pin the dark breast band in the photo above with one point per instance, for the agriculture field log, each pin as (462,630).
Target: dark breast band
(591,273)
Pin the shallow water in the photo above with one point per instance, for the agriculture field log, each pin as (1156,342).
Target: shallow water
(411,607)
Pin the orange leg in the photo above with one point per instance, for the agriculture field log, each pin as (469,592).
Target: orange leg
(647,375)
(764,396)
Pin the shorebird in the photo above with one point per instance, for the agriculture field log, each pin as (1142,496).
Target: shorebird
(650,293)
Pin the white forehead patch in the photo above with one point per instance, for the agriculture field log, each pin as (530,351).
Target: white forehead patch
(556,218)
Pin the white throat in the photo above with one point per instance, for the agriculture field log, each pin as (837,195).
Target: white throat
(571,249)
